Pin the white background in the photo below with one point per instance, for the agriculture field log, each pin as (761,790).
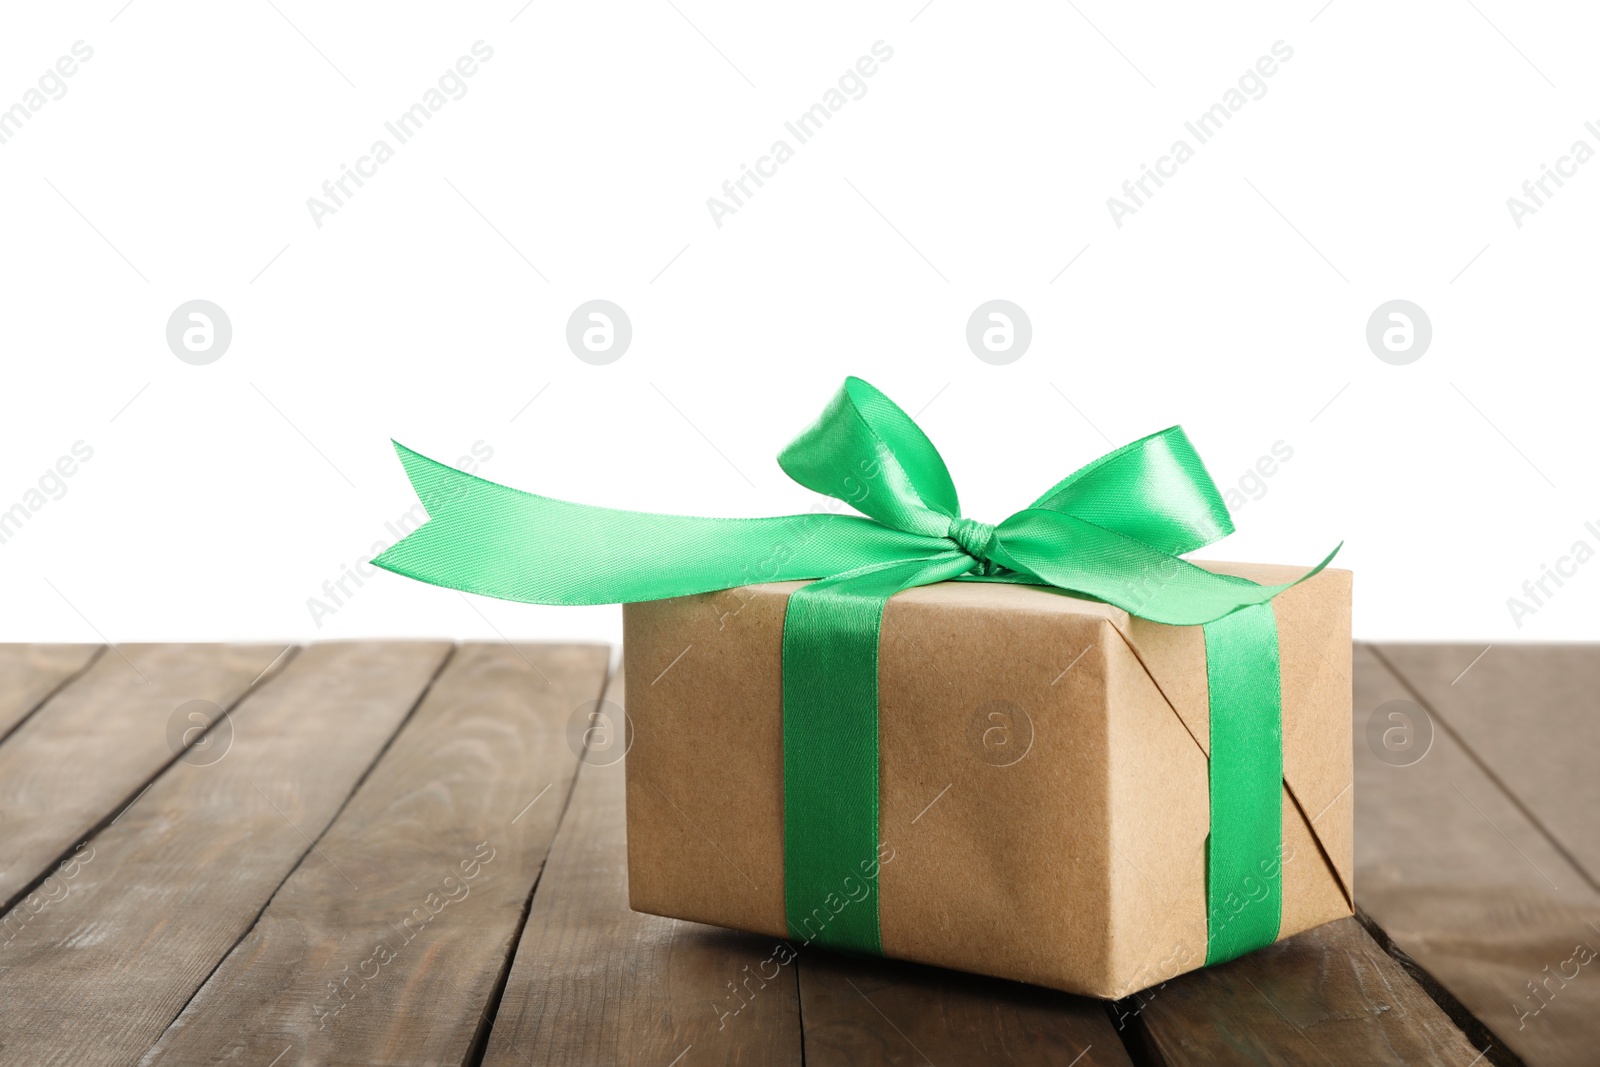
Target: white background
(978,164)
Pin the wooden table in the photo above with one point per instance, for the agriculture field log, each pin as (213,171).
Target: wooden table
(391,853)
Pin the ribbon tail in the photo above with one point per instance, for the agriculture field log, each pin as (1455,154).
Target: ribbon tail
(482,537)
(1081,557)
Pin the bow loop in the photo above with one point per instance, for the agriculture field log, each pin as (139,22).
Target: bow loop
(867,452)
(1155,490)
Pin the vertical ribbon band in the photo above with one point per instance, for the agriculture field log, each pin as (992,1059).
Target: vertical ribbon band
(830,766)
(1244,883)
(830,750)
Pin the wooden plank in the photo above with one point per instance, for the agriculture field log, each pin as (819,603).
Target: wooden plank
(29,674)
(596,983)
(862,1011)
(446,838)
(182,874)
(95,744)
(1531,715)
(1464,884)
(1329,995)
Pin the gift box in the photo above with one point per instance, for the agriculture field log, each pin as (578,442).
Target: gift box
(1050,749)
(1043,776)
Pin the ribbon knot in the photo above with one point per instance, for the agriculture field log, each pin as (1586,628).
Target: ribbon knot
(976,540)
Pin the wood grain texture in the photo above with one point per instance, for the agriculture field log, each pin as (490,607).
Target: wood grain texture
(864,1012)
(1329,995)
(1531,715)
(31,673)
(97,742)
(446,838)
(596,983)
(1454,872)
(181,875)
(1474,865)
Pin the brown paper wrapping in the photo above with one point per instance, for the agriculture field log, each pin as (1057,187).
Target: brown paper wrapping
(1043,774)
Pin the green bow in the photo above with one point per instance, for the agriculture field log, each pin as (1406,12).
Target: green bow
(1112,531)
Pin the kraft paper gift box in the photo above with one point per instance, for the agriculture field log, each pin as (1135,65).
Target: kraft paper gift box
(1026,777)
(1043,775)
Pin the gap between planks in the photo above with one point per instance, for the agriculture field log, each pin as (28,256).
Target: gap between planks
(1462,879)
(203,847)
(486,735)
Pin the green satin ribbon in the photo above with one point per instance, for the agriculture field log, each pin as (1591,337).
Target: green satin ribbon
(1112,531)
